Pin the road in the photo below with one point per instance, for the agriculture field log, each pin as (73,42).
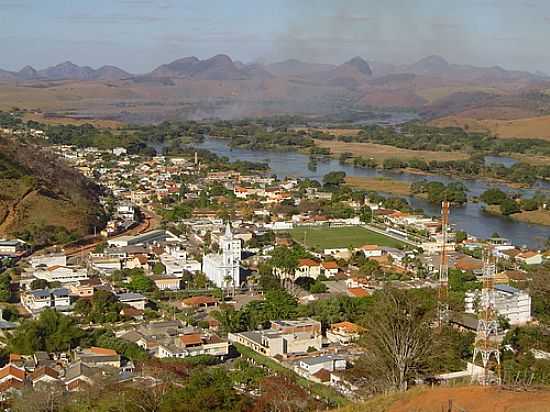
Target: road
(151,221)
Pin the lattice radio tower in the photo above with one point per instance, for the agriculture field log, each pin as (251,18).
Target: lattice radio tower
(486,344)
(443,290)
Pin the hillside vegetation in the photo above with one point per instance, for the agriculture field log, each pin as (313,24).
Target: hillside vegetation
(42,200)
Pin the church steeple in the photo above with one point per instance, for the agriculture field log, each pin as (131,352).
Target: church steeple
(228,233)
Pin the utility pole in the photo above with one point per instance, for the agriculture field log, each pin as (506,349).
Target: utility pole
(486,343)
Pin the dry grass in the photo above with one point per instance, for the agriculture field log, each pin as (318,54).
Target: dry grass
(381,152)
(531,127)
(380,184)
(539,217)
(467,398)
(37,117)
(433,94)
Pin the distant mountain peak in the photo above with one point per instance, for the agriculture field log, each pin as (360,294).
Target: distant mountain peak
(360,64)
(430,64)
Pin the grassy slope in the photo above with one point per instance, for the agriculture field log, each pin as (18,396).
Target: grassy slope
(38,190)
(462,398)
(325,238)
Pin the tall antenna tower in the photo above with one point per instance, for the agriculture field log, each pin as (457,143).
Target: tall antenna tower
(443,291)
(486,344)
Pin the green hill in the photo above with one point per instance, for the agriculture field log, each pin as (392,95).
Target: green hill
(42,200)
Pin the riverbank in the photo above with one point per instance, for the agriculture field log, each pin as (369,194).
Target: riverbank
(381,152)
(535,217)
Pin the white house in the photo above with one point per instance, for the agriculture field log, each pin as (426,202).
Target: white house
(529,258)
(37,300)
(512,303)
(62,274)
(136,300)
(220,268)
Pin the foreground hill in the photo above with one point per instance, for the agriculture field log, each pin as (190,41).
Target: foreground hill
(458,399)
(42,200)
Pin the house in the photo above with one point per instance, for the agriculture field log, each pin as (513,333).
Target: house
(12,378)
(54,259)
(61,274)
(329,268)
(357,292)
(469,264)
(529,258)
(37,300)
(12,248)
(194,344)
(196,302)
(136,300)
(167,282)
(371,250)
(311,365)
(514,304)
(44,375)
(307,268)
(283,338)
(98,357)
(79,376)
(344,332)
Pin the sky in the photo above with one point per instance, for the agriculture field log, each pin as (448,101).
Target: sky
(139,35)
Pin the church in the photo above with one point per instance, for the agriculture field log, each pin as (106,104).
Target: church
(224,269)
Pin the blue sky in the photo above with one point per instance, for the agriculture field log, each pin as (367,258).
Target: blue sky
(138,35)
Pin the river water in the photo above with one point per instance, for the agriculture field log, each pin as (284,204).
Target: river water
(469,217)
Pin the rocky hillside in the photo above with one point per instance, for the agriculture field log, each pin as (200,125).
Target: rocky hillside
(41,199)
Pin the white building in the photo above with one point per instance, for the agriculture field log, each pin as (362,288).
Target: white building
(37,300)
(57,259)
(285,337)
(512,303)
(62,274)
(220,267)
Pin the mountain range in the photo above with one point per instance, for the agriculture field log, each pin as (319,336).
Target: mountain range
(222,67)
(194,88)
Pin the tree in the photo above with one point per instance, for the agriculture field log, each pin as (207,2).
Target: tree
(51,332)
(333,180)
(460,236)
(284,259)
(39,284)
(141,283)
(318,287)
(5,287)
(398,339)
(366,214)
(493,196)
(159,268)
(509,206)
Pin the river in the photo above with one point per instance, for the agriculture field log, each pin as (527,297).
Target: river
(469,217)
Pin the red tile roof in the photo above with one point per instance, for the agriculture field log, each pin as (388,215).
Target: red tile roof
(358,292)
(307,262)
(194,339)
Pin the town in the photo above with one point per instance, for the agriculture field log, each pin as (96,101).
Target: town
(210,262)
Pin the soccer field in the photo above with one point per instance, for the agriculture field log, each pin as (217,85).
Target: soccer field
(352,236)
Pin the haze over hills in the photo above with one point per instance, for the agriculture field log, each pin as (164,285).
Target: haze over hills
(220,87)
